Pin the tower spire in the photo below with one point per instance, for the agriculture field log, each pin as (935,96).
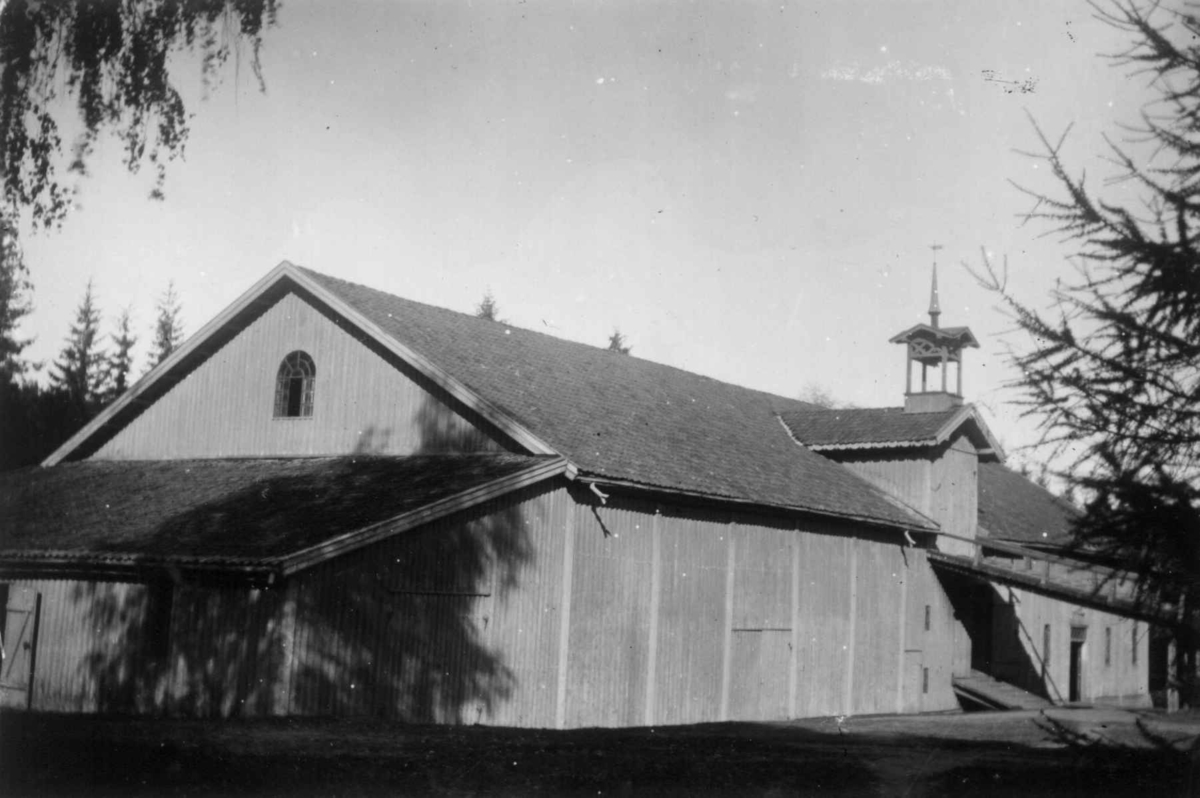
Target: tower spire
(935,309)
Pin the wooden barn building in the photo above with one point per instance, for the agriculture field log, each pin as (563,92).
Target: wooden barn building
(331,500)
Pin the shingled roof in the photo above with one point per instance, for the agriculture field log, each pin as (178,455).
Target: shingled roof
(885,427)
(1012,508)
(866,427)
(229,512)
(623,418)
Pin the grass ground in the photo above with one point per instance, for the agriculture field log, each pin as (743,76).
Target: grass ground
(1060,752)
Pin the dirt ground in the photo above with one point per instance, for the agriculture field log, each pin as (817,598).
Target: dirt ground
(1057,752)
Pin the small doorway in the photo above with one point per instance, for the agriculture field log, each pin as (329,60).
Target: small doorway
(980,627)
(1075,674)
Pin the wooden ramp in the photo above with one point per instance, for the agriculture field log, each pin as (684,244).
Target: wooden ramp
(981,688)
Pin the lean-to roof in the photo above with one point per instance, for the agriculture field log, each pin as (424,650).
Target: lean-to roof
(247,512)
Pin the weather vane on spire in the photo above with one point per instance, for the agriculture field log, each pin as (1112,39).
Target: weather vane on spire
(935,309)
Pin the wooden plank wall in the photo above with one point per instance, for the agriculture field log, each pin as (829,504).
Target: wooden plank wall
(80,624)
(826,589)
(879,629)
(458,622)
(943,649)
(225,408)
(1019,651)
(942,483)
(626,614)
(541,609)
(954,501)
(695,617)
(691,620)
(906,475)
(96,650)
(609,640)
(228,650)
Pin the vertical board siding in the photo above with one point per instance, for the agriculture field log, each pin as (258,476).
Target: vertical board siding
(933,648)
(906,476)
(877,637)
(694,552)
(96,650)
(824,612)
(457,622)
(955,494)
(610,603)
(1019,652)
(942,483)
(761,620)
(89,637)
(525,618)
(227,652)
(462,621)
(362,403)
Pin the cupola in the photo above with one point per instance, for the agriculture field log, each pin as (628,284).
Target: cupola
(934,348)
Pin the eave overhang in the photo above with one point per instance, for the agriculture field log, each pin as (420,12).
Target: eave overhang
(919,522)
(960,336)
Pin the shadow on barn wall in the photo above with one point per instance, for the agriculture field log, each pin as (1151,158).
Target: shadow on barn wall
(401,630)
(1001,645)
(1020,659)
(397,630)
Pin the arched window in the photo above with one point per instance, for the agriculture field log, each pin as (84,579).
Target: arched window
(294,386)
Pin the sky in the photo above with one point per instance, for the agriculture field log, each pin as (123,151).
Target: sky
(746,190)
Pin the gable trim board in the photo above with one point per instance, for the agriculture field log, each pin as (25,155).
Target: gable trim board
(265,571)
(194,349)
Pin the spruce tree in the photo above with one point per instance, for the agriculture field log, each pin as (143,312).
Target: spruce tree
(79,371)
(120,360)
(14,305)
(1112,372)
(487,307)
(616,343)
(168,326)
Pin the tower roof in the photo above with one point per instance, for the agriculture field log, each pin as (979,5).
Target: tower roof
(939,335)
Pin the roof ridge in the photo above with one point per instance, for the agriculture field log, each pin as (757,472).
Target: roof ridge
(542,334)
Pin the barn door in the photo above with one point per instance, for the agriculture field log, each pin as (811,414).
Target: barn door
(20,636)
(760,657)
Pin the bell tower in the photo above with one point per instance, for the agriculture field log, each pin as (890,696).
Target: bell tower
(934,348)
